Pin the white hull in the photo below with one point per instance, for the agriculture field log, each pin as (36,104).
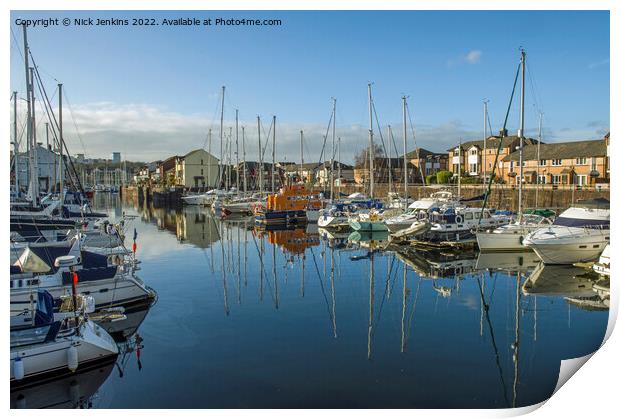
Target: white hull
(117,291)
(328,221)
(94,344)
(566,245)
(312,215)
(194,200)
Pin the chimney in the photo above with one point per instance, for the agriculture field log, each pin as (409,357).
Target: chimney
(503,132)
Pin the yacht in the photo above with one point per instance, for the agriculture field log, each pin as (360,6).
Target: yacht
(603,266)
(110,283)
(419,210)
(456,224)
(50,346)
(509,237)
(579,234)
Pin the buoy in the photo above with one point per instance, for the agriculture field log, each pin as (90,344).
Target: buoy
(18,368)
(72,358)
(458,219)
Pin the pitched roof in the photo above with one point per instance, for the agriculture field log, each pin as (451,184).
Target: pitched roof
(493,142)
(198,150)
(564,150)
(423,153)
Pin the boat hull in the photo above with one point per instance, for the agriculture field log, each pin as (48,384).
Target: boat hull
(368,226)
(42,360)
(281,217)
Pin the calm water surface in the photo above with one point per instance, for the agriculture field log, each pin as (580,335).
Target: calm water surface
(301,319)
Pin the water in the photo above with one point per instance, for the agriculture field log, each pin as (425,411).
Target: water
(242,322)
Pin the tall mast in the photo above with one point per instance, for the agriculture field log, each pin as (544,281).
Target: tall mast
(405,168)
(34,168)
(301,149)
(538,156)
(229,148)
(273,158)
(331,170)
(458,193)
(210,156)
(245,177)
(60,140)
(339,169)
(521,133)
(371,153)
(260,160)
(28,114)
(237,147)
(484,147)
(15,146)
(221,176)
(389,156)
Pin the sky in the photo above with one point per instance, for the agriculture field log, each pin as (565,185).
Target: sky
(150,92)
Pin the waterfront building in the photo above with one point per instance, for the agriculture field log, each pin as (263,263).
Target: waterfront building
(582,163)
(429,161)
(196,169)
(48,162)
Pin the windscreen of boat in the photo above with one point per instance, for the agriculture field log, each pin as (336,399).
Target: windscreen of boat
(580,222)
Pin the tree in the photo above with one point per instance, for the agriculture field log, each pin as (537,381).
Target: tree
(361,158)
(444,177)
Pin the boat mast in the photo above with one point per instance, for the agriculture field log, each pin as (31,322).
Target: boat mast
(33,147)
(260,160)
(521,133)
(339,169)
(331,170)
(15,145)
(301,149)
(228,168)
(221,173)
(371,154)
(458,192)
(245,177)
(237,147)
(60,140)
(405,168)
(273,157)
(29,121)
(210,156)
(484,147)
(389,156)
(538,156)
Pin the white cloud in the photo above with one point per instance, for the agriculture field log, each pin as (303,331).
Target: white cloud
(473,56)
(598,64)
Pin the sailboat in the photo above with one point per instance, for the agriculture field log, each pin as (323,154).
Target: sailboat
(510,237)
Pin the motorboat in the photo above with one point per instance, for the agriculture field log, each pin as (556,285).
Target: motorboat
(419,210)
(335,217)
(457,223)
(111,280)
(603,266)
(509,237)
(579,234)
(48,346)
(566,281)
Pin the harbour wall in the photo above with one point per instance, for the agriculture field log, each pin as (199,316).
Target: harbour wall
(502,196)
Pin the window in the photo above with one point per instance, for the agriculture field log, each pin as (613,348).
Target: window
(473,167)
(556,162)
(582,180)
(473,151)
(201,162)
(201,172)
(542,179)
(581,161)
(456,152)
(543,162)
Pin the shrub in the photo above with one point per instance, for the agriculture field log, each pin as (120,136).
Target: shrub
(444,177)
(431,179)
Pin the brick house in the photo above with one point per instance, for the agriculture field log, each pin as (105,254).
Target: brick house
(573,162)
(474,157)
(430,162)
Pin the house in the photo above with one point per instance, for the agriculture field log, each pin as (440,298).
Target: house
(386,169)
(343,173)
(572,162)
(196,169)
(476,160)
(429,161)
(166,170)
(48,162)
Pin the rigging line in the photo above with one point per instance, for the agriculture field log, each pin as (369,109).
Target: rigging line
(534,88)
(378,127)
(387,283)
(329,124)
(501,140)
(415,143)
(73,119)
(489,122)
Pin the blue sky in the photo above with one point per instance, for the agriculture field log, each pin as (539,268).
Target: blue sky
(150,92)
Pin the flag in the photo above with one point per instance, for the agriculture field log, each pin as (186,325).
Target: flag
(135,234)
